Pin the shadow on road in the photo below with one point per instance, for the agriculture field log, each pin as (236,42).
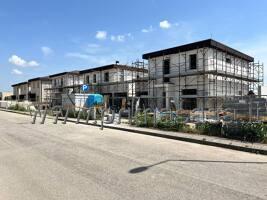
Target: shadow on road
(144,168)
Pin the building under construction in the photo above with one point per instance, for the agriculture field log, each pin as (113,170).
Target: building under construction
(117,83)
(204,75)
(200,75)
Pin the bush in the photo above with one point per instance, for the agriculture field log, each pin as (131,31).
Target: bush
(244,131)
(140,120)
(251,132)
(212,129)
(17,107)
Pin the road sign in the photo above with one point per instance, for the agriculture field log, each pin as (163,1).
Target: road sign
(85,88)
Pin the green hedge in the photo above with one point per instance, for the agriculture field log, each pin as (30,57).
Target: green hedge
(140,120)
(173,126)
(252,132)
(212,129)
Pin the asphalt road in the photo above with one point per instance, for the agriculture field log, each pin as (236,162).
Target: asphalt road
(73,162)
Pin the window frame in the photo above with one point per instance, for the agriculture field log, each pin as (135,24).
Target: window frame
(191,63)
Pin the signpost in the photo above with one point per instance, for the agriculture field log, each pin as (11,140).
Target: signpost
(85,88)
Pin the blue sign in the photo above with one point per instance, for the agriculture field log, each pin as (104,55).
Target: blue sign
(85,88)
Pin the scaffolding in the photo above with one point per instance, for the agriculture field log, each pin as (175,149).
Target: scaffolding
(123,82)
(169,82)
(217,77)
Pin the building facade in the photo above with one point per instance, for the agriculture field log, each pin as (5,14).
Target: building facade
(63,83)
(38,89)
(115,82)
(200,75)
(20,91)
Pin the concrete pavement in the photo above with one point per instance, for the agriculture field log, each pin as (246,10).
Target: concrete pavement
(81,162)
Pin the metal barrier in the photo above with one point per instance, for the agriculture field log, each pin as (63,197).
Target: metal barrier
(87,113)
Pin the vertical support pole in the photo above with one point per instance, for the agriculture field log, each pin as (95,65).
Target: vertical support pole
(66,116)
(88,115)
(34,117)
(250,109)
(119,120)
(132,109)
(155,118)
(113,115)
(257,111)
(102,119)
(145,117)
(78,117)
(39,111)
(44,116)
(234,114)
(56,118)
(95,115)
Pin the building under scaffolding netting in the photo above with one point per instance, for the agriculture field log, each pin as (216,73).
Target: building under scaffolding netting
(201,75)
(119,84)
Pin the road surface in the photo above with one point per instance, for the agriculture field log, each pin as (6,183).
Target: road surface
(74,162)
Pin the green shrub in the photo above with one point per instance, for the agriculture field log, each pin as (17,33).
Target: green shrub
(252,132)
(140,120)
(17,107)
(244,131)
(212,129)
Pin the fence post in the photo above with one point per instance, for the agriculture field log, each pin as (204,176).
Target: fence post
(155,118)
(119,120)
(258,111)
(234,114)
(129,116)
(102,119)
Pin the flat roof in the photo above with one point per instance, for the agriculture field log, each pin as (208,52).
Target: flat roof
(21,83)
(200,44)
(76,72)
(45,78)
(106,67)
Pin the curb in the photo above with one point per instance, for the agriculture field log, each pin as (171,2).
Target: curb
(184,139)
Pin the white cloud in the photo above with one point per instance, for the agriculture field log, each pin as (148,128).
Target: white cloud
(101,35)
(121,38)
(147,30)
(47,50)
(18,61)
(17,72)
(33,63)
(118,38)
(165,24)
(113,38)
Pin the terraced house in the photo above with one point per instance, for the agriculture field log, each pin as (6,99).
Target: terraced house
(20,91)
(200,75)
(115,82)
(37,89)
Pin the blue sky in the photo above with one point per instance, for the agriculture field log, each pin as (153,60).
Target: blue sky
(43,37)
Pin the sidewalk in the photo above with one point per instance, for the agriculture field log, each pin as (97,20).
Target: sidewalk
(187,137)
